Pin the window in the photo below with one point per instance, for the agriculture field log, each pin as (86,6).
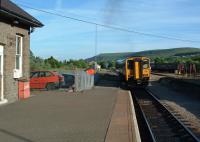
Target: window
(130,64)
(69,78)
(145,64)
(48,74)
(34,74)
(18,60)
(42,74)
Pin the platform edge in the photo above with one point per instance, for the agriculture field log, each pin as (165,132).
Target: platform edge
(136,128)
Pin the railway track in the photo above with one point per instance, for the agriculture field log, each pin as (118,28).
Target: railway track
(156,122)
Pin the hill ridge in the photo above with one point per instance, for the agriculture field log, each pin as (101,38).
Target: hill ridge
(148,53)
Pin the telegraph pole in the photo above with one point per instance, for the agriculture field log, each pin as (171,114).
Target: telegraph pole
(96,44)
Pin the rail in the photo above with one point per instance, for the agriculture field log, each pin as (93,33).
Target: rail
(162,125)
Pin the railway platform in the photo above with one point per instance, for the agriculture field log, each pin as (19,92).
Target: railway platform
(194,80)
(103,114)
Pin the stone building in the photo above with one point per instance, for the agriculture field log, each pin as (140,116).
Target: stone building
(16,26)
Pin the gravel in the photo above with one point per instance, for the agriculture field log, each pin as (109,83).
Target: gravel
(189,119)
(184,106)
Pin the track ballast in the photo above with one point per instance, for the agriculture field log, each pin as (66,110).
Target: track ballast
(156,122)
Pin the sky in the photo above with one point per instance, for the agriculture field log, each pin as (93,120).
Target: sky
(67,39)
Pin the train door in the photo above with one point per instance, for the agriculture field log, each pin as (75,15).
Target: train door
(137,69)
(130,69)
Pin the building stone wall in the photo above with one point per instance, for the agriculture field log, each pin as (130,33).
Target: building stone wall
(8,40)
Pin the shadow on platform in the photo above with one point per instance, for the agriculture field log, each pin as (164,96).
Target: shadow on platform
(107,80)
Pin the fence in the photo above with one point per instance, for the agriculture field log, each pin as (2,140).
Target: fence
(80,80)
(83,81)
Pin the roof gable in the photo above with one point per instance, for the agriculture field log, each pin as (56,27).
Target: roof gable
(9,7)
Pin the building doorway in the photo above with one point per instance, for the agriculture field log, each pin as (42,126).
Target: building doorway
(2,99)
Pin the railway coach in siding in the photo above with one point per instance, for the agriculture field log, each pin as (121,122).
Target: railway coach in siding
(136,71)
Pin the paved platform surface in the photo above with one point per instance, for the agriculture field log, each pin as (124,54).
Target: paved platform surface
(188,79)
(65,117)
(121,127)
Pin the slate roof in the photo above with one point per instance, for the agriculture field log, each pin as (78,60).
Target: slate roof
(10,9)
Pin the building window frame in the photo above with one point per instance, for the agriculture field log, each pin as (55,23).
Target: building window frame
(19,55)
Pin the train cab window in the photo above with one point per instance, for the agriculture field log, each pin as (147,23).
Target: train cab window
(146,64)
(130,64)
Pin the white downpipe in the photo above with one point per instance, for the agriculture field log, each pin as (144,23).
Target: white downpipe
(2,99)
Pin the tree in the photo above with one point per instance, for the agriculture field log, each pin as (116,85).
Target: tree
(37,63)
(159,60)
(53,62)
(103,64)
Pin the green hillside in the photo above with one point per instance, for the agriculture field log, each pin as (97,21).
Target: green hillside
(186,51)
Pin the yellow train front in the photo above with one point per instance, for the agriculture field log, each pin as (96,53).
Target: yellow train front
(137,71)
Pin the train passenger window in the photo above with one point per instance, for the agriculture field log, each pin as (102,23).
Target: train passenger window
(130,64)
(145,64)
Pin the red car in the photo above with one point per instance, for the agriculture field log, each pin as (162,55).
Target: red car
(45,80)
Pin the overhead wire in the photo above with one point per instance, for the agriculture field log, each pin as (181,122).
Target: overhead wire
(109,26)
